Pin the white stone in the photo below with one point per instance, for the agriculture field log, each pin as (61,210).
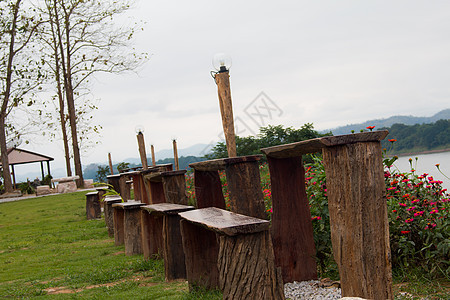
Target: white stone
(66,187)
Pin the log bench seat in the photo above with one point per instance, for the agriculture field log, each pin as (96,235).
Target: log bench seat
(172,247)
(242,265)
(127,226)
(357,207)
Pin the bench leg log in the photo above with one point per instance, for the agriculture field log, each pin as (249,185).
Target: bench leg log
(201,250)
(174,261)
(208,189)
(152,240)
(244,186)
(292,231)
(132,228)
(247,269)
(93,209)
(119,234)
(175,189)
(358,217)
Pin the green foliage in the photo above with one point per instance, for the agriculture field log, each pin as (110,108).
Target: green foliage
(122,166)
(418,137)
(268,136)
(102,173)
(47,180)
(26,188)
(47,243)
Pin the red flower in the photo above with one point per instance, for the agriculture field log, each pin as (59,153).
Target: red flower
(370,127)
(405,232)
(392,140)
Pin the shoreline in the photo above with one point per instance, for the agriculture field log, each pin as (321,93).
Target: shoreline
(423,152)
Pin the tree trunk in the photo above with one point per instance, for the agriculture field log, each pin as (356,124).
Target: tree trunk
(4,109)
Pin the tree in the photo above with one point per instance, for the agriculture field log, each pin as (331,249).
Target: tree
(102,173)
(87,42)
(20,70)
(268,136)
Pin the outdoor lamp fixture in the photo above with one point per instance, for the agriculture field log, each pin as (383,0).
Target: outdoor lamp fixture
(222,64)
(141,144)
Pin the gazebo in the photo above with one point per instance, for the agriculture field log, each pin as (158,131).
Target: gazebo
(18,156)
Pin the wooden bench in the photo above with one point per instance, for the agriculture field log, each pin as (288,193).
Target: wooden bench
(357,207)
(244,185)
(109,212)
(127,226)
(165,187)
(172,250)
(93,210)
(245,259)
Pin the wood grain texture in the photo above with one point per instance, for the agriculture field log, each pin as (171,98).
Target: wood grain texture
(142,152)
(292,231)
(316,145)
(208,189)
(226,110)
(109,213)
(247,269)
(132,231)
(124,188)
(93,210)
(200,248)
(174,186)
(152,234)
(118,217)
(358,217)
(175,155)
(209,165)
(244,187)
(114,181)
(174,261)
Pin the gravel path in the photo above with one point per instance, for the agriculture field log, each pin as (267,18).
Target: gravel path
(309,290)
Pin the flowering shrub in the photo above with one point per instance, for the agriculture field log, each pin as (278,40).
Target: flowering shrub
(418,209)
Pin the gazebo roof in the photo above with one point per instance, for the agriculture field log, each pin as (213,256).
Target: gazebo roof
(18,156)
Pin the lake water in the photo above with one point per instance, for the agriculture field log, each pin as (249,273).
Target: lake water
(426,163)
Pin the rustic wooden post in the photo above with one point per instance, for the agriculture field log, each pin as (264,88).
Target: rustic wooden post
(124,189)
(226,110)
(357,206)
(153,156)
(245,259)
(93,210)
(109,212)
(208,188)
(110,164)
(174,186)
(131,226)
(174,262)
(140,193)
(292,231)
(358,217)
(118,221)
(114,181)
(244,186)
(175,155)
(142,153)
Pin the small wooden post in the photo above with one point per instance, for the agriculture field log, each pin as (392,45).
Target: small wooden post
(110,164)
(142,153)
(153,156)
(174,185)
(175,155)
(93,210)
(226,110)
(131,226)
(114,181)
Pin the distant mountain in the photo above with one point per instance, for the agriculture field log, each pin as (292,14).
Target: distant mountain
(379,123)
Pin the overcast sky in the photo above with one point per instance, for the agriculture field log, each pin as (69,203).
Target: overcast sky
(330,63)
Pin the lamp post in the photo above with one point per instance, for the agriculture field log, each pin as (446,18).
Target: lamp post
(141,144)
(222,64)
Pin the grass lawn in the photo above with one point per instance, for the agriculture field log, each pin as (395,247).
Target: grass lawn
(49,250)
